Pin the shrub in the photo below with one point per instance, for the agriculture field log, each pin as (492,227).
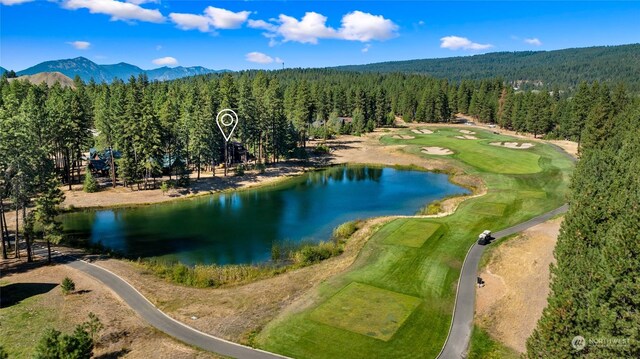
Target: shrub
(3,353)
(322,149)
(345,230)
(433,208)
(164,187)
(79,345)
(67,285)
(240,170)
(90,184)
(310,254)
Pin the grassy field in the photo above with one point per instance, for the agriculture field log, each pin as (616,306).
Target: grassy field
(482,346)
(420,259)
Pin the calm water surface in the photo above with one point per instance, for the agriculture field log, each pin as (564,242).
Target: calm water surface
(239,227)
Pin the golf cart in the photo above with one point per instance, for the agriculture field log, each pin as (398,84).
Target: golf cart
(485,238)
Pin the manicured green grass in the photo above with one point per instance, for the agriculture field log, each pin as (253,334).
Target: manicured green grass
(367,310)
(520,185)
(411,233)
(489,209)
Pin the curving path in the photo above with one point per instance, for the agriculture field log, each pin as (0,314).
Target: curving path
(459,336)
(460,331)
(155,317)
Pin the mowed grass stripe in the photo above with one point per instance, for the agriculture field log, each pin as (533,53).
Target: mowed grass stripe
(412,233)
(366,310)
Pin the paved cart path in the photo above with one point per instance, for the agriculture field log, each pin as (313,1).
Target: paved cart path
(154,316)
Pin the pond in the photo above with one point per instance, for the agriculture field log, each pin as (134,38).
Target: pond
(240,227)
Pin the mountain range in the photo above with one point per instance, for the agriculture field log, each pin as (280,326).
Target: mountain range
(88,69)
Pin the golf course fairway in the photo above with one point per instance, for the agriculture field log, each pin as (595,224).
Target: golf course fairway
(396,300)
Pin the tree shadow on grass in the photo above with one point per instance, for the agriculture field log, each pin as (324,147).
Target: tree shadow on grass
(14,293)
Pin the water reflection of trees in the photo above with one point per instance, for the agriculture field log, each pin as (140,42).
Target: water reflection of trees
(342,173)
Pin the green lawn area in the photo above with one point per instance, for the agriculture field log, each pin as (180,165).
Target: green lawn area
(367,310)
(421,258)
(408,232)
(24,320)
(482,346)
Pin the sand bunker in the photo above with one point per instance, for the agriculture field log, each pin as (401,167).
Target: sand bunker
(516,145)
(403,137)
(468,132)
(423,131)
(467,137)
(439,151)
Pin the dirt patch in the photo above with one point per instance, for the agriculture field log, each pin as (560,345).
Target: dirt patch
(438,151)
(125,333)
(517,285)
(467,132)
(467,137)
(515,145)
(403,137)
(423,131)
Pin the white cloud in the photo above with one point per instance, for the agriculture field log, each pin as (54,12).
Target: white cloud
(456,42)
(140,2)
(355,26)
(166,61)
(116,9)
(259,57)
(190,21)
(278,60)
(307,30)
(366,48)
(261,24)
(362,26)
(80,45)
(13,2)
(534,41)
(421,22)
(225,19)
(213,17)
(158,47)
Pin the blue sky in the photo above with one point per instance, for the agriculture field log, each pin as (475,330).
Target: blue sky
(261,34)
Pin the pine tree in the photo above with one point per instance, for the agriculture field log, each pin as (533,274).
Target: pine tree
(47,209)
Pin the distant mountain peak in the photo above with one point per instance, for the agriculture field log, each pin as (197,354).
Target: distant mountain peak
(87,69)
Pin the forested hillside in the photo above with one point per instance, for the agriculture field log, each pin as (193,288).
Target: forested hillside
(595,290)
(529,69)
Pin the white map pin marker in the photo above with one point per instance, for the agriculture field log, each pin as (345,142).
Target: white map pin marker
(227,121)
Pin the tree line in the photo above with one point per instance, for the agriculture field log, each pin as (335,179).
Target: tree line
(595,288)
(528,70)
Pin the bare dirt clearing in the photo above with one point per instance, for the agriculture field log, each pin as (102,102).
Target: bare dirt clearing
(404,137)
(517,284)
(514,145)
(468,132)
(438,151)
(467,137)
